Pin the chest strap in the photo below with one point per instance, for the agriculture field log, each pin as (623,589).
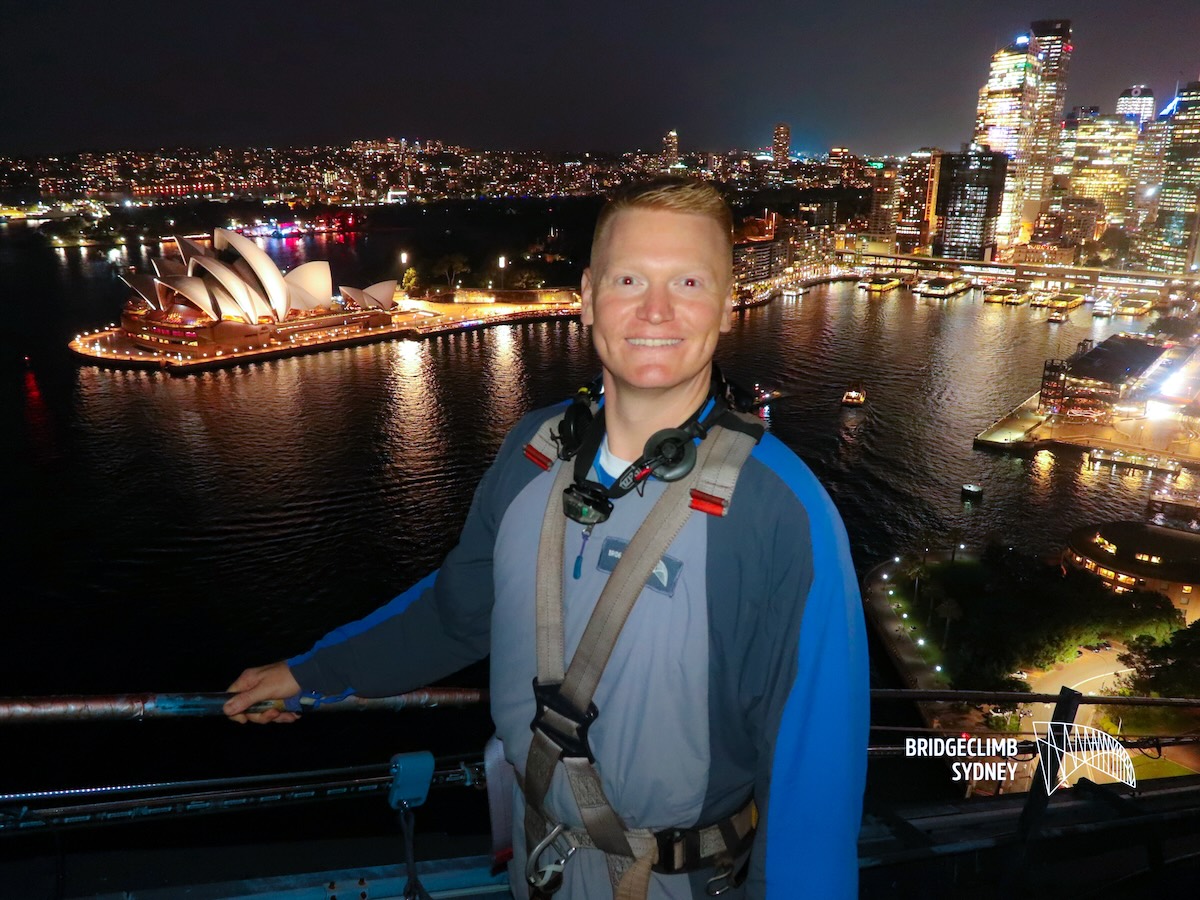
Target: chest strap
(564,694)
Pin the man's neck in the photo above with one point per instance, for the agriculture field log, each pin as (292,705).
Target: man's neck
(631,415)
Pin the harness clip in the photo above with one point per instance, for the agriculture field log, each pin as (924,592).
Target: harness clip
(548,878)
(564,725)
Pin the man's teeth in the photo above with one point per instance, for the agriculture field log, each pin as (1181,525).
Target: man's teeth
(653,342)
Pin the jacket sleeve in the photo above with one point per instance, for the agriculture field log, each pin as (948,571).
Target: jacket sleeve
(816,721)
(440,624)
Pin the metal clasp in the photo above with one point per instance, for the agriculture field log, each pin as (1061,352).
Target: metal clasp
(548,878)
(726,879)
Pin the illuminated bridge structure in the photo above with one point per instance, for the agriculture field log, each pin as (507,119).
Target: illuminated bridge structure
(1080,748)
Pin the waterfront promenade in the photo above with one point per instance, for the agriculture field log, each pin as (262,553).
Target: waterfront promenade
(418,319)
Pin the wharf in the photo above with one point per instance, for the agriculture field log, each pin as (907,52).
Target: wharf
(1135,443)
(112,348)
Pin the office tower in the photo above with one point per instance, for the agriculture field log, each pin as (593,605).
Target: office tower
(916,199)
(1054,49)
(782,144)
(1149,159)
(1172,242)
(1103,164)
(1137,101)
(1005,123)
(670,149)
(970,195)
(881,222)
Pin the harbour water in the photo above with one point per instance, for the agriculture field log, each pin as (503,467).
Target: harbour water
(165,532)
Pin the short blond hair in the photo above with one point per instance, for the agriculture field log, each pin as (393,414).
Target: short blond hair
(670,193)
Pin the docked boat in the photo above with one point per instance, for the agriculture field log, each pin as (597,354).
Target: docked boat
(879,284)
(1132,306)
(1064,301)
(856,395)
(1009,294)
(1058,315)
(972,492)
(943,287)
(1102,309)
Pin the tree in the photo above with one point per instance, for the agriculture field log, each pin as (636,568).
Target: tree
(409,284)
(451,266)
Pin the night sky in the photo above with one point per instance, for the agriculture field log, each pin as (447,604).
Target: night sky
(878,76)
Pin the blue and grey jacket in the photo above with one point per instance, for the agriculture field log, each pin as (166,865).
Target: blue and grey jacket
(742,669)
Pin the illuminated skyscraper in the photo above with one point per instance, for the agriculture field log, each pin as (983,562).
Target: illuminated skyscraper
(1149,159)
(916,199)
(781,146)
(881,223)
(1103,164)
(1172,243)
(1137,101)
(670,149)
(1005,122)
(1053,46)
(970,195)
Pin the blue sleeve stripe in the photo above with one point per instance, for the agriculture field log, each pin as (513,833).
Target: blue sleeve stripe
(818,769)
(392,608)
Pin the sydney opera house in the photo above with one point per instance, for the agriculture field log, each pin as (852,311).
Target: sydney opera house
(233,298)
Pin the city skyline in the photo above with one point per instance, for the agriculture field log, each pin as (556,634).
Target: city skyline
(881,78)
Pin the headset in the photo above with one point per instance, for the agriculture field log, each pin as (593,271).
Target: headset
(669,454)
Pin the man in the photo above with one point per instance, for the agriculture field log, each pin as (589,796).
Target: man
(741,670)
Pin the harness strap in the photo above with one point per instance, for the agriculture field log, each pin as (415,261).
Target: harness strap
(562,695)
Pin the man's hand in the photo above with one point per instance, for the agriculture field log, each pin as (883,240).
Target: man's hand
(273,682)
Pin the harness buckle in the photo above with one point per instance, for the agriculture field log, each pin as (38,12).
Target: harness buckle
(548,878)
(726,879)
(559,720)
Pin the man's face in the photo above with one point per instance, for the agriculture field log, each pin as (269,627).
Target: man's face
(658,295)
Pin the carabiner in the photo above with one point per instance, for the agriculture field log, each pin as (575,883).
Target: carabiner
(548,878)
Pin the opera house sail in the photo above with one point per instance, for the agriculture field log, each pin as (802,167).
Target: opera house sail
(232,298)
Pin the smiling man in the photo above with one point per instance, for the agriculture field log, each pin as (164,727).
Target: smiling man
(687,613)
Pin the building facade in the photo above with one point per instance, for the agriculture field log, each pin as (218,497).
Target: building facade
(916,200)
(1137,102)
(1102,168)
(1004,121)
(781,144)
(970,194)
(1054,49)
(1132,556)
(1172,242)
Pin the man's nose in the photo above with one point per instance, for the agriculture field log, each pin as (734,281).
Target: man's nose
(657,306)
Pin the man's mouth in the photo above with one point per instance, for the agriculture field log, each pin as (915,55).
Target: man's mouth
(654,342)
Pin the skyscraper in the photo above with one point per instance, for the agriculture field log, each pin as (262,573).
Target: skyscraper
(1005,122)
(1137,101)
(670,149)
(1103,164)
(781,146)
(1172,243)
(970,195)
(881,223)
(1053,46)
(916,199)
(1148,163)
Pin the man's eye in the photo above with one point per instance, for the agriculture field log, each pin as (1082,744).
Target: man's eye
(690,282)
(625,280)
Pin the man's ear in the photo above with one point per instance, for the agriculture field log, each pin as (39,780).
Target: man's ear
(727,312)
(585,292)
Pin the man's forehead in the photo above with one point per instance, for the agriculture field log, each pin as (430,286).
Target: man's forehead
(629,228)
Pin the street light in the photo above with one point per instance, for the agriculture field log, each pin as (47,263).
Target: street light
(502,263)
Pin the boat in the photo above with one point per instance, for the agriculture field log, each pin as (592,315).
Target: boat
(1102,309)
(1064,301)
(1009,294)
(856,395)
(1132,306)
(942,286)
(1058,315)
(972,491)
(879,284)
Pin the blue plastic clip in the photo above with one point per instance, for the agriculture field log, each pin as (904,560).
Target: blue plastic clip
(412,774)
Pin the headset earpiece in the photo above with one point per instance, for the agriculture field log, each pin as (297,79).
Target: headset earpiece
(670,453)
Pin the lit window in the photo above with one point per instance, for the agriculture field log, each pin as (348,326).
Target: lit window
(1121,590)
(1187,588)
(1089,565)
(1106,573)
(1125,579)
